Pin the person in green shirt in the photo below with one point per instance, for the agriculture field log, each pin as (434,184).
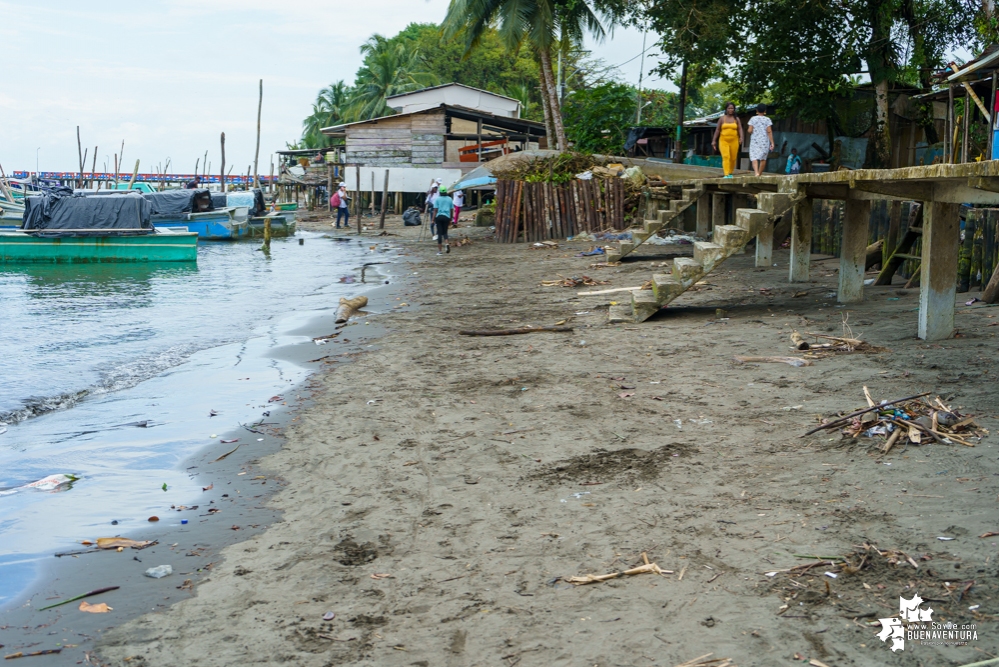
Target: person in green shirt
(443,208)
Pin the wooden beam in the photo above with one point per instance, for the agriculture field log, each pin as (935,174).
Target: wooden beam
(853,251)
(938,270)
(801,241)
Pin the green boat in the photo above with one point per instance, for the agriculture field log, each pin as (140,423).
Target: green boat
(162,245)
(286,205)
(281,225)
(62,227)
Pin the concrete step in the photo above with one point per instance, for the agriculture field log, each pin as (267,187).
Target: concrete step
(638,238)
(666,216)
(652,226)
(731,237)
(613,255)
(622,312)
(666,288)
(773,202)
(687,271)
(643,304)
(624,247)
(751,219)
(708,255)
(691,194)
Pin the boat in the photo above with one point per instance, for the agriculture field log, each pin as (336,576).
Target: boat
(194,211)
(60,227)
(11,209)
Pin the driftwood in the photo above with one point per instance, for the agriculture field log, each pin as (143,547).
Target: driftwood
(991,292)
(799,342)
(844,419)
(875,253)
(641,569)
(510,332)
(791,361)
(349,307)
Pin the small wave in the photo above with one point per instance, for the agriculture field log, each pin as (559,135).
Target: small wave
(122,376)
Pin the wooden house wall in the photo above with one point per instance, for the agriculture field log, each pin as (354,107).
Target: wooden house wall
(415,140)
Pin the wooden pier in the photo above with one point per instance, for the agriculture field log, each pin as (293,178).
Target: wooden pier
(940,188)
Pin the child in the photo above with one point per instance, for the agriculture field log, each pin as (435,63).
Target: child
(459,201)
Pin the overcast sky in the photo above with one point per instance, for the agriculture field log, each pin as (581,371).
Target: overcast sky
(169,77)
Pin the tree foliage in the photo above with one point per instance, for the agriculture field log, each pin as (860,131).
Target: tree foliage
(597,119)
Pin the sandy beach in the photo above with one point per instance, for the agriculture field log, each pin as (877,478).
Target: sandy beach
(437,492)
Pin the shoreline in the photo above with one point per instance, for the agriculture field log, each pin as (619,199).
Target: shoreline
(191,549)
(444,487)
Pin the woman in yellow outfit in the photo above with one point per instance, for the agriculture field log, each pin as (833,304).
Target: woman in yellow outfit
(728,137)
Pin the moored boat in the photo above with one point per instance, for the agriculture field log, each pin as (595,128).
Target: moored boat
(194,211)
(62,227)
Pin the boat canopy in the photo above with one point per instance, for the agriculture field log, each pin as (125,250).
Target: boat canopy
(175,202)
(254,199)
(63,210)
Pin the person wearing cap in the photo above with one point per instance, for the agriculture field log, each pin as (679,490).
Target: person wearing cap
(459,201)
(443,208)
(339,202)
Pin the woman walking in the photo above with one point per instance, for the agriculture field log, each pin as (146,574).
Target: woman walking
(728,137)
(761,139)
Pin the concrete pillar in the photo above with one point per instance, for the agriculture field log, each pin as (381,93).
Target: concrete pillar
(719,203)
(703,216)
(938,270)
(765,244)
(801,241)
(853,252)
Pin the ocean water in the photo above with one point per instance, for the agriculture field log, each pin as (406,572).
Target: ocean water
(88,351)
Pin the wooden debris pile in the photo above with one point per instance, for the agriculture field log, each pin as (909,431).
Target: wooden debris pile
(572,282)
(859,560)
(914,419)
(560,168)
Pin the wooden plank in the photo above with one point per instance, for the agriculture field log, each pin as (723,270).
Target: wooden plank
(517,201)
(500,227)
(385,153)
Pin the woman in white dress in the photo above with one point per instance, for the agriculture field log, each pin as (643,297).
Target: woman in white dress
(761,139)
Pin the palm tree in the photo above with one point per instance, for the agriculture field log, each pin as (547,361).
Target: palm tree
(389,68)
(540,24)
(330,108)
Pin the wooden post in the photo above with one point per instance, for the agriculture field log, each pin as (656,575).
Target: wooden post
(256,155)
(270,181)
(894,227)
(357,198)
(222,171)
(703,216)
(381,222)
(948,140)
(478,134)
(79,151)
(853,251)
(801,241)
(765,245)
(967,126)
(938,270)
(329,187)
(992,120)
(372,204)
(719,202)
(398,203)
(267,235)
(135,174)
(204,168)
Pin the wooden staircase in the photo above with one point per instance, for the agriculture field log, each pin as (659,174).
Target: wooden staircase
(727,241)
(665,216)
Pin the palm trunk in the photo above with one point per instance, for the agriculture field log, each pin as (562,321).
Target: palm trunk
(681,112)
(552,93)
(549,131)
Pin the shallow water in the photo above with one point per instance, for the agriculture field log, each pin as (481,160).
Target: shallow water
(88,350)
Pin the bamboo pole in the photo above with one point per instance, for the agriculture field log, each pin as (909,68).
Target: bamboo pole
(381,222)
(222,171)
(256,155)
(357,198)
(266,247)
(79,152)
(135,174)
(93,168)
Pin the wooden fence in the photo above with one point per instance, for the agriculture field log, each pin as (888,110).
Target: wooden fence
(533,212)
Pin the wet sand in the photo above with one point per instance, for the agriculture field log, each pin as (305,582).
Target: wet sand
(232,508)
(435,491)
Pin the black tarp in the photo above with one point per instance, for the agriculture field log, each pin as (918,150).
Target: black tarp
(176,202)
(218,200)
(62,210)
(259,207)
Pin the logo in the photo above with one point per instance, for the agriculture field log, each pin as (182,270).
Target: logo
(916,624)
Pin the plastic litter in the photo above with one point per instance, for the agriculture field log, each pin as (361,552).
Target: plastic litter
(585,176)
(329,616)
(159,571)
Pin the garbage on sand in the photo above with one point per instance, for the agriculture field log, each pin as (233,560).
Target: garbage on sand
(159,571)
(707,661)
(913,419)
(596,250)
(80,597)
(59,482)
(791,361)
(122,543)
(99,608)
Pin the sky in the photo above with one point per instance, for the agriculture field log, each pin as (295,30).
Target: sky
(168,78)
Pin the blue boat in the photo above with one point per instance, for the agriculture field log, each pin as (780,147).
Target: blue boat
(194,211)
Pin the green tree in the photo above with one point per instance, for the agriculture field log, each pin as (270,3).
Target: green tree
(389,68)
(538,24)
(329,109)
(597,119)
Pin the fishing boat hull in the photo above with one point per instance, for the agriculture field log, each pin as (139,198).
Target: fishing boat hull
(280,226)
(220,225)
(19,247)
